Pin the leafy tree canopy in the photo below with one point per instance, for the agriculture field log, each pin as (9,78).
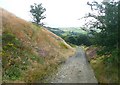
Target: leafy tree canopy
(106,19)
(37,13)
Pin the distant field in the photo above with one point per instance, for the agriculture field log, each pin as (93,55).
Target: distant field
(74,29)
(67,31)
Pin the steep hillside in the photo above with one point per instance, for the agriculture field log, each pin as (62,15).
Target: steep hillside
(30,53)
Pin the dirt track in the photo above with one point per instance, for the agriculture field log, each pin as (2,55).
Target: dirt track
(75,70)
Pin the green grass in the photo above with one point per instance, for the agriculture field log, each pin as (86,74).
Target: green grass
(63,45)
(72,45)
(10,56)
(74,29)
(17,61)
(104,73)
(22,45)
(15,57)
(40,74)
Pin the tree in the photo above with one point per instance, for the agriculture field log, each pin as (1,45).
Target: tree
(37,13)
(106,21)
(70,39)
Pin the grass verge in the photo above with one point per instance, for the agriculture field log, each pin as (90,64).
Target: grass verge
(105,73)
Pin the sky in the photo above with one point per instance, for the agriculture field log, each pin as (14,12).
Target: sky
(59,13)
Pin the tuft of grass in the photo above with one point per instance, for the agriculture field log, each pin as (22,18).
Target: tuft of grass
(63,45)
(72,45)
(105,73)
(27,49)
(15,57)
(10,56)
(39,75)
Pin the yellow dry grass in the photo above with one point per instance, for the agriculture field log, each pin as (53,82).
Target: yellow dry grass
(41,41)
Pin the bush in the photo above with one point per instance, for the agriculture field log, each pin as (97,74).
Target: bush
(78,39)
(12,73)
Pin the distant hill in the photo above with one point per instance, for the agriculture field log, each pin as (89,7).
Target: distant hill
(57,31)
(30,52)
(73,29)
(67,31)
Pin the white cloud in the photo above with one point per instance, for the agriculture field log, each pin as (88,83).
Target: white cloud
(59,13)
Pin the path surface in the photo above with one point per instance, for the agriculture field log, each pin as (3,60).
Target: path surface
(75,70)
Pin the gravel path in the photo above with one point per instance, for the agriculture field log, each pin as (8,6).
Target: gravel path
(75,70)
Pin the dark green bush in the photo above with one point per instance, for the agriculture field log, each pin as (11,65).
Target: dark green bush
(13,72)
(77,39)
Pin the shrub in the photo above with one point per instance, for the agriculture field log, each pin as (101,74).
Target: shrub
(12,73)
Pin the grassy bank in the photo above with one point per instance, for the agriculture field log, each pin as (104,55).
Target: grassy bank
(30,52)
(22,64)
(105,73)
